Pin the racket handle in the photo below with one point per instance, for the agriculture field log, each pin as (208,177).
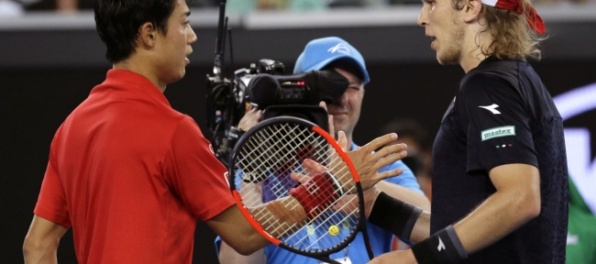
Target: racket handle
(318,192)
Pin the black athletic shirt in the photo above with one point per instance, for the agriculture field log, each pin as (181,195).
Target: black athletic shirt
(502,114)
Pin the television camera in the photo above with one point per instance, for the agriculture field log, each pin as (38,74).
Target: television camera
(265,86)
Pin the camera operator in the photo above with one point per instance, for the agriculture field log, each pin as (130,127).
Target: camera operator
(333,53)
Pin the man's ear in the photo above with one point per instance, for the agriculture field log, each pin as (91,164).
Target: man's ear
(147,34)
(472,10)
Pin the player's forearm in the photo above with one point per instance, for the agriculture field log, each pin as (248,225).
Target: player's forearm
(404,194)
(287,216)
(229,255)
(236,231)
(495,218)
(504,211)
(242,239)
(42,240)
(40,251)
(516,201)
(404,220)
(421,229)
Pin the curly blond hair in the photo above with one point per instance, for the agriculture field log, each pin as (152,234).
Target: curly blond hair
(513,38)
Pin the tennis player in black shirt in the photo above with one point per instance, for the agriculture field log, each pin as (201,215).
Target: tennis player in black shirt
(499,191)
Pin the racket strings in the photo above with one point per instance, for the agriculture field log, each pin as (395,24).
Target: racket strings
(267,161)
(270,151)
(328,232)
(267,148)
(343,216)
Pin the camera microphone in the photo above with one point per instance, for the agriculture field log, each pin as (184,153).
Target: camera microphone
(263,90)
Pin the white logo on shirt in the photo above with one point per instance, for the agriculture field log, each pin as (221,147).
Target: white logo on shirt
(492,108)
(441,245)
(226,178)
(504,131)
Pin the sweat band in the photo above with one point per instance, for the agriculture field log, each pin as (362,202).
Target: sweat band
(442,247)
(394,216)
(318,192)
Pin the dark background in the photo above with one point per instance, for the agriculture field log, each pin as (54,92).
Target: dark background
(46,71)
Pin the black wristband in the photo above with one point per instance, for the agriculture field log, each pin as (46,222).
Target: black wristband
(394,216)
(442,247)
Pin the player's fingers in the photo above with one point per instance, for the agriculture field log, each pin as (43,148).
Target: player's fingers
(312,167)
(385,160)
(331,125)
(393,152)
(323,105)
(379,142)
(299,177)
(390,173)
(370,181)
(342,140)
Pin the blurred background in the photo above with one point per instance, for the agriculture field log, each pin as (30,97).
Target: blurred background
(51,57)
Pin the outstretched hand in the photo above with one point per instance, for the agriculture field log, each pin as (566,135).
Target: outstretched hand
(366,160)
(250,119)
(370,158)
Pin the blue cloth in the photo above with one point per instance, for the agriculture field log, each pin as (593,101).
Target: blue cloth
(321,52)
(380,240)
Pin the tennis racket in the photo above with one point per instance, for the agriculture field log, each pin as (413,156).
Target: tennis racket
(266,166)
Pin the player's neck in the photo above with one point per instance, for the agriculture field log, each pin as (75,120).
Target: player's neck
(140,65)
(475,46)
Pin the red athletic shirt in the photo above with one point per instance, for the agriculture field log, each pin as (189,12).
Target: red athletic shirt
(131,176)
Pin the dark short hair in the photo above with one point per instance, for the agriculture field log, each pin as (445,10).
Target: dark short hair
(118,22)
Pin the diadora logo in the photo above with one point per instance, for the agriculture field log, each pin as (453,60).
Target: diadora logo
(492,108)
(441,246)
(339,48)
(496,132)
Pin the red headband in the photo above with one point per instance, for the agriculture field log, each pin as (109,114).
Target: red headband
(534,20)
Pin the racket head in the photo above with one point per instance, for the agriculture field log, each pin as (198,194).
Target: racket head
(260,170)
